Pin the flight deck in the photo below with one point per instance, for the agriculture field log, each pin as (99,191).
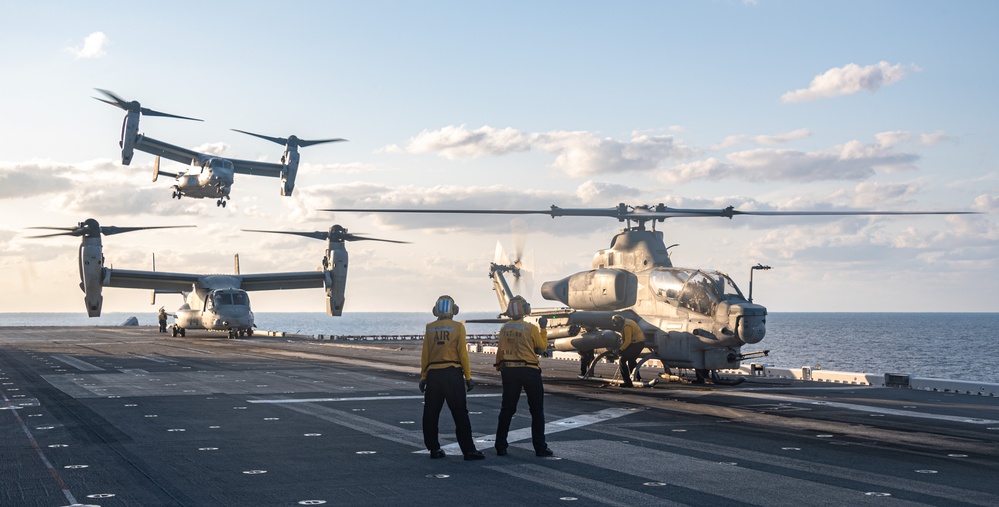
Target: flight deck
(125,416)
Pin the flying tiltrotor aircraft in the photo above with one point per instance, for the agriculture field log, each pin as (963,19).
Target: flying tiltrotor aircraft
(692,318)
(214,302)
(210,176)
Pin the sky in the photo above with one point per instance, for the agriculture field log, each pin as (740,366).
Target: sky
(761,105)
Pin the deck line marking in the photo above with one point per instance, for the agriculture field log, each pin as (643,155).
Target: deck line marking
(866,408)
(551,427)
(602,492)
(76,363)
(362,398)
(38,450)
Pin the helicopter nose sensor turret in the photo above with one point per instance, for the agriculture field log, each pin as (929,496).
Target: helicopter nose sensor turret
(749,322)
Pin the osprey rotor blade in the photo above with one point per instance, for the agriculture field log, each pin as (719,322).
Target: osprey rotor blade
(291,140)
(357,237)
(134,106)
(109,230)
(341,235)
(68,232)
(314,235)
(91,228)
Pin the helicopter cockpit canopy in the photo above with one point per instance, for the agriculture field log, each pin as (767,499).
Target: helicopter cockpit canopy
(228,297)
(693,289)
(219,163)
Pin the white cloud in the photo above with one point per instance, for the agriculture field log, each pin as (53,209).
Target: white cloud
(217,149)
(763,140)
(93,46)
(848,80)
(850,161)
(601,194)
(935,138)
(578,153)
(18,181)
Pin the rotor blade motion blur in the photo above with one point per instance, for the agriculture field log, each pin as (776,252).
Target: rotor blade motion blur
(134,106)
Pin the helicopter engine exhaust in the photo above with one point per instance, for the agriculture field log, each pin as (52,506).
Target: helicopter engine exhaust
(602,339)
(597,289)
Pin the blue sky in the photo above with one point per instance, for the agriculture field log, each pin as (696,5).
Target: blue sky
(759,105)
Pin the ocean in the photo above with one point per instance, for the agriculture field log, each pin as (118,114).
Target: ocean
(958,346)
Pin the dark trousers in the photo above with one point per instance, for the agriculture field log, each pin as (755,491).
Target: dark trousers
(528,380)
(163,326)
(585,358)
(629,361)
(446,385)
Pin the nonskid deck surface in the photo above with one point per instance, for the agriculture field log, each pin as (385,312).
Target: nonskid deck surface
(128,416)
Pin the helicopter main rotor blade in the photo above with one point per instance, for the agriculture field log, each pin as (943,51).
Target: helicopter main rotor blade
(290,141)
(661,212)
(442,211)
(135,106)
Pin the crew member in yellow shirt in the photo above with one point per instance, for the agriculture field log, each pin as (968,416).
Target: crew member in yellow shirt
(632,344)
(445,376)
(520,344)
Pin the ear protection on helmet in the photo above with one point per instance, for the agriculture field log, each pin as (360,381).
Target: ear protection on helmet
(518,307)
(445,307)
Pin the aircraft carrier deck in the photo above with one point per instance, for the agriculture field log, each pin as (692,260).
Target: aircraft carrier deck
(126,416)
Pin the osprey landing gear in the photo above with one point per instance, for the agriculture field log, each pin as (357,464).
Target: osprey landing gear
(221,201)
(177,330)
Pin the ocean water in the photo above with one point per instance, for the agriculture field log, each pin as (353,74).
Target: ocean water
(961,346)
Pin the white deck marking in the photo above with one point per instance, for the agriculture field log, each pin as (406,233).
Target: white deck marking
(864,408)
(362,398)
(569,423)
(77,363)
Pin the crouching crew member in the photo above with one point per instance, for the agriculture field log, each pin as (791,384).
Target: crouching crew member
(520,344)
(632,344)
(445,376)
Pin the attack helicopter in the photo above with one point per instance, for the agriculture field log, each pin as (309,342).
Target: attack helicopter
(212,301)
(209,176)
(692,318)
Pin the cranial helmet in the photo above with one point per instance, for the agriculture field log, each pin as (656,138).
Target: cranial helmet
(518,307)
(618,321)
(445,307)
